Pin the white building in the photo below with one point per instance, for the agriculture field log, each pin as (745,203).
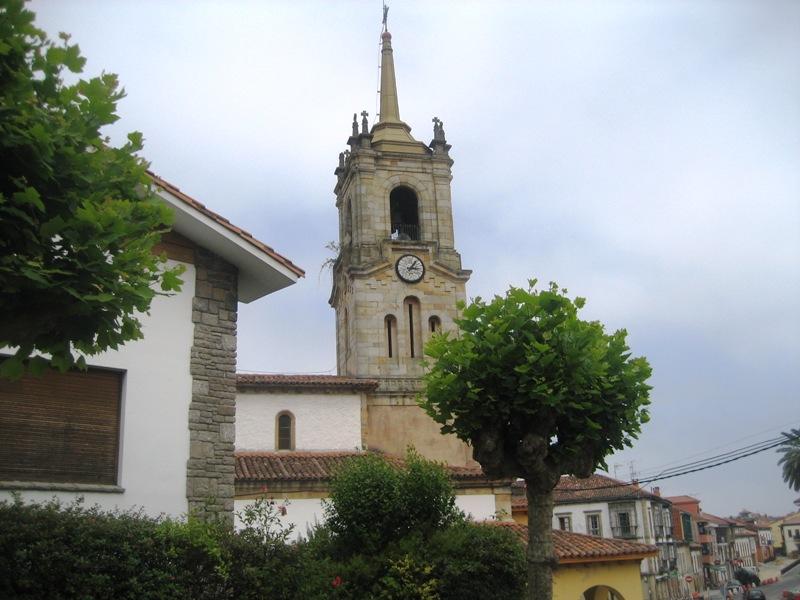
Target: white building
(790,532)
(150,425)
(293,431)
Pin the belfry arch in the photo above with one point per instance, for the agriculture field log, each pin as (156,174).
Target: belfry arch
(404,213)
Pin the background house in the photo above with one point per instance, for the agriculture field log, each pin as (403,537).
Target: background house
(594,568)
(609,508)
(790,532)
(150,425)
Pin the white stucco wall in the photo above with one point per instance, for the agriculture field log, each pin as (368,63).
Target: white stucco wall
(157,389)
(303,514)
(478,507)
(322,421)
(306,513)
(789,532)
(578,513)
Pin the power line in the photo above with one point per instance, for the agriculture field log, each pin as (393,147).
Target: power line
(717,457)
(658,468)
(737,455)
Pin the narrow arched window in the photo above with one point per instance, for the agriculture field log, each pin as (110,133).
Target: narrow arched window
(390,323)
(348,222)
(435,324)
(413,326)
(284,431)
(404,214)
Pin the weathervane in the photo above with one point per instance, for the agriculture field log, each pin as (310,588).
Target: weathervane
(385,16)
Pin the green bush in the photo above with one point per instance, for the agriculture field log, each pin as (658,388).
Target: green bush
(462,561)
(373,502)
(54,551)
(477,561)
(416,545)
(395,533)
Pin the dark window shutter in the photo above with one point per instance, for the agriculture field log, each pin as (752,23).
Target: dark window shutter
(61,427)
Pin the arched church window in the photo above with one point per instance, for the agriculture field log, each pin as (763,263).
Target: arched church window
(412,310)
(391,335)
(284,431)
(435,324)
(404,213)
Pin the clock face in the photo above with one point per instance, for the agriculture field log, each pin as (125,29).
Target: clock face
(410,268)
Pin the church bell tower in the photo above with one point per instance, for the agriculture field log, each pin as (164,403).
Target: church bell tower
(398,276)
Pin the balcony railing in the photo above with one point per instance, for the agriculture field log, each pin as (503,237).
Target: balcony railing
(405,231)
(663,530)
(624,531)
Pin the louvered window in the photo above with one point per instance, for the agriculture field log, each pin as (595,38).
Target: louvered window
(61,427)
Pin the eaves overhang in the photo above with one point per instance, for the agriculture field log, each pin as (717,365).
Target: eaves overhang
(262,271)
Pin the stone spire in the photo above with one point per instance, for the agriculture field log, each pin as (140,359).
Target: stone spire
(389,132)
(390,111)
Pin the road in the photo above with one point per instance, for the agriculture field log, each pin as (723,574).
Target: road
(789,581)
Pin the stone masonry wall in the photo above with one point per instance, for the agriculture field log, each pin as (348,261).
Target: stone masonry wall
(212,412)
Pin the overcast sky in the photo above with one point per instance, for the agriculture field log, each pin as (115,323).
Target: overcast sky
(645,155)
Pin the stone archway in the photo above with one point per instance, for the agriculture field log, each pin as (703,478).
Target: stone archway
(601,592)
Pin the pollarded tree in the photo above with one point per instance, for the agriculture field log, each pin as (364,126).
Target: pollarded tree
(790,461)
(78,218)
(538,393)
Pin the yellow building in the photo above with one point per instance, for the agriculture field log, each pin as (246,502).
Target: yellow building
(594,568)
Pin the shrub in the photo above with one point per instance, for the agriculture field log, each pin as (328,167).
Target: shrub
(408,579)
(262,563)
(477,561)
(373,502)
(54,551)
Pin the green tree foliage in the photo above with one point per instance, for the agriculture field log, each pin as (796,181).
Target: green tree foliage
(78,218)
(790,461)
(538,392)
(58,552)
(477,561)
(394,533)
(373,502)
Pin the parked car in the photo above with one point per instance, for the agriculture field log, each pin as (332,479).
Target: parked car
(791,594)
(755,594)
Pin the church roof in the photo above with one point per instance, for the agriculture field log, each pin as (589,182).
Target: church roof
(270,467)
(272,381)
(576,547)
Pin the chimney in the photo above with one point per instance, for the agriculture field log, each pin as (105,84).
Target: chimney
(657,491)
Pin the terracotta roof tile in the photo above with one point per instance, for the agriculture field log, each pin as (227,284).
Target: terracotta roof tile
(597,487)
(266,467)
(305,382)
(795,520)
(519,504)
(245,235)
(682,499)
(577,547)
(709,518)
(762,523)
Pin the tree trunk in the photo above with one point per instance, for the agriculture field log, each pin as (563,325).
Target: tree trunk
(541,556)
